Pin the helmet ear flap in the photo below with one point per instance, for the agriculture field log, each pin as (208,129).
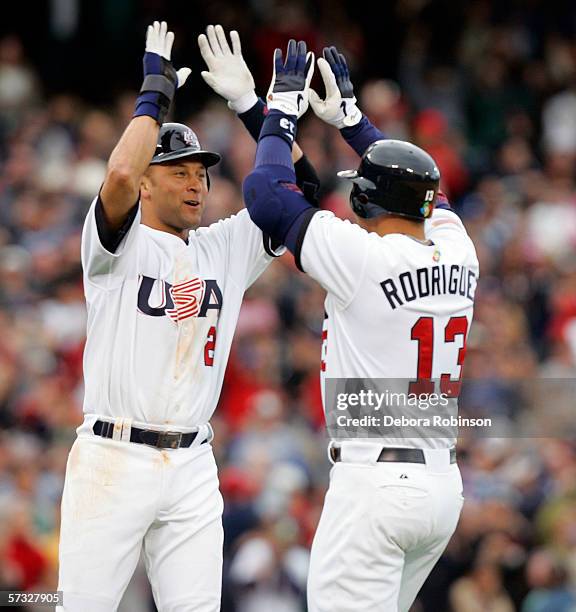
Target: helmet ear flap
(359,199)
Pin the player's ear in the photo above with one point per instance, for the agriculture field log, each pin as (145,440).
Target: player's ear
(204,171)
(145,184)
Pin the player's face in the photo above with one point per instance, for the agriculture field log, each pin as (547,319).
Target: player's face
(174,195)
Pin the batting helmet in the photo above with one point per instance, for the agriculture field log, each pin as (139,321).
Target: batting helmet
(177,141)
(394,177)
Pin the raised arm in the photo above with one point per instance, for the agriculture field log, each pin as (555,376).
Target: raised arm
(131,156)
(229,76)
(330,250)
(274,202)
(339,107)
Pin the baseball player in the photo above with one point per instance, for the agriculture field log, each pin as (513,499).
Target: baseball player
(163,300)
(396,308)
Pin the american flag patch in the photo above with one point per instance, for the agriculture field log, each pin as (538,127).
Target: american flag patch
(187,297)
(291,187)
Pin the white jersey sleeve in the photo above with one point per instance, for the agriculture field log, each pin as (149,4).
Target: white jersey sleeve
(446,225)
(334,252)
(245,248)
(102,267)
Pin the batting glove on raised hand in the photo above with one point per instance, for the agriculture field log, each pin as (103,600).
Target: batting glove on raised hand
(339,108)
(227,74)
(160,78)
(290,83)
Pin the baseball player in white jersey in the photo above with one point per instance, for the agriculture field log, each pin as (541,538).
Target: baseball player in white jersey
(400,290)
(163,300)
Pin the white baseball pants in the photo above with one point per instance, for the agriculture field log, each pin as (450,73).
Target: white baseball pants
(120,496)
(382,530)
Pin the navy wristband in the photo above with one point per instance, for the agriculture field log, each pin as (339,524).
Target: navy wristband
(306,176)
(279,124)
(158,88)
(152,104)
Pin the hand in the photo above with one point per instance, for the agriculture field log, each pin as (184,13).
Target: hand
(158,49)
(160,78)
(228,75)
(290,83)
(339,108)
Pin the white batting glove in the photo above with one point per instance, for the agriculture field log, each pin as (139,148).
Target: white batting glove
(159,41)
(291,79)
(227,74)
(339,108)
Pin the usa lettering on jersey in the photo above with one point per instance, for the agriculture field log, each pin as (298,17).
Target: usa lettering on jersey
(187,297)
(191,298)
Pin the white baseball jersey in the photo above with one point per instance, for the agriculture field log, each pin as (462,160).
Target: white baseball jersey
(397,308)
(161,317)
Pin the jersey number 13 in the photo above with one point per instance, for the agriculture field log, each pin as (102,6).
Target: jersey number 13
(423,333)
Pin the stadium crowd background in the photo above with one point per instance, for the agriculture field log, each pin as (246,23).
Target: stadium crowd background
(489,89)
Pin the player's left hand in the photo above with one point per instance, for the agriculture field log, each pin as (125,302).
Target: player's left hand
(290,85)
(339,108)
(161,79)
(227,73)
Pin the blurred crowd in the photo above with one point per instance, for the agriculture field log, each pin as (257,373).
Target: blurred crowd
(499,117)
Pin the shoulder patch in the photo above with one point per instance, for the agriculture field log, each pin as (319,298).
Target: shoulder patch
(291,187)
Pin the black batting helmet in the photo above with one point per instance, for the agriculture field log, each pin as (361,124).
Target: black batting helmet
(176,141)
(394,177)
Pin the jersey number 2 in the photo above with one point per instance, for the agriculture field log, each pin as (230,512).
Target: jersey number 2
(210,346)
(423,333)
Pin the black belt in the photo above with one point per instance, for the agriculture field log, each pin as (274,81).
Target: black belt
(397,455)
(159,439)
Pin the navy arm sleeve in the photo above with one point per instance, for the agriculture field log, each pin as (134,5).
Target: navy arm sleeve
(307,179)
(274,201)
(362,135)
(253,119)
(442,202)
(111,239)
(306,175)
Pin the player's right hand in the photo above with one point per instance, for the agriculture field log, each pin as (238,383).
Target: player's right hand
(290,85)
(339,107)
(227,74)
(157,56)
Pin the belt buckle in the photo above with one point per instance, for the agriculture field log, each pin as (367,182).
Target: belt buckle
(388,454)
(169,439)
